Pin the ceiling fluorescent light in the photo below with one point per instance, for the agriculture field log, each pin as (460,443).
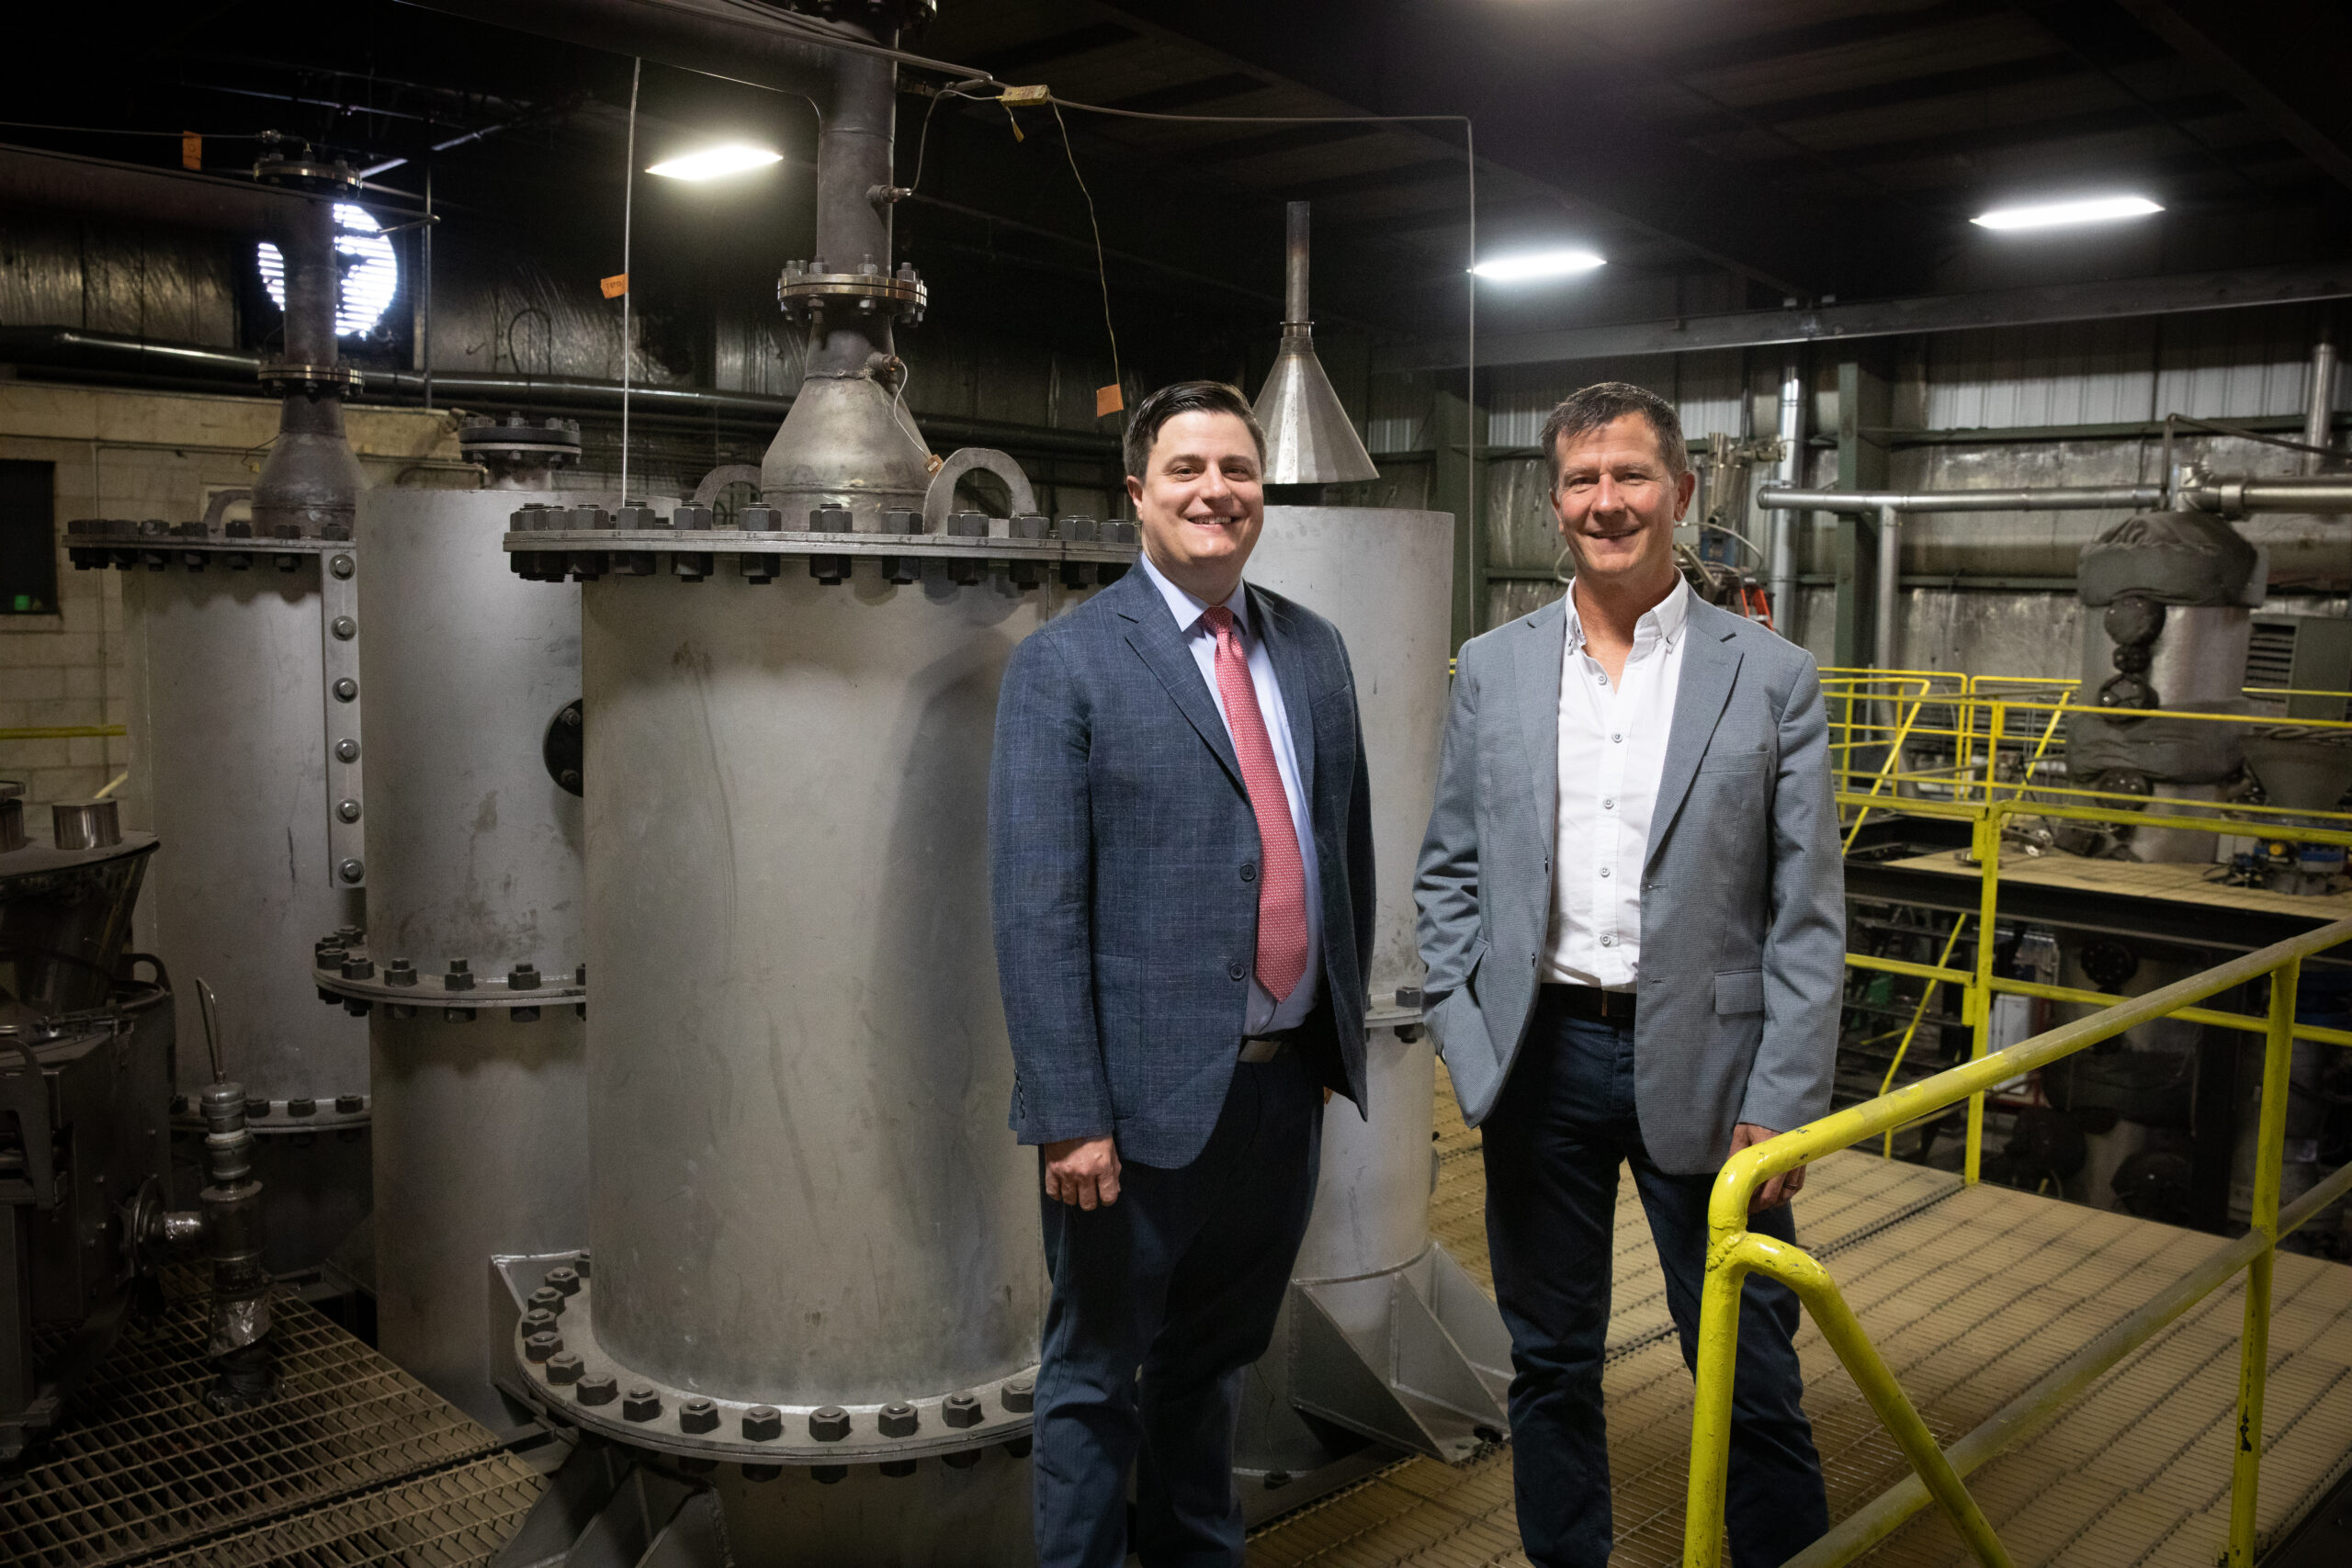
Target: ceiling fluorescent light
(1537,264)
(713,162)
(2052,214)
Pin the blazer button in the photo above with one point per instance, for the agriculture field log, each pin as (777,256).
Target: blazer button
(1235,971)
(1249,871)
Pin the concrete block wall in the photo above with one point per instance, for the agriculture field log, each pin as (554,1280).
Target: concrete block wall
(139,454)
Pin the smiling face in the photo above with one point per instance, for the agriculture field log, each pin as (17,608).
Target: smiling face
(1201,502)
(1617,501)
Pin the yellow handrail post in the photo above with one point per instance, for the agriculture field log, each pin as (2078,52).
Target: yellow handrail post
(1987,832)
(1717,1361)
(2254,1341)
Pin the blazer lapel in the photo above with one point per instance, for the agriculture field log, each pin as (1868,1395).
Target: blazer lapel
(1290,673)
(1710,665)
(1152,633)
(1542,645)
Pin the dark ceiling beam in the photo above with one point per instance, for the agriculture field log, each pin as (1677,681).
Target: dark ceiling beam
(2036,306)
(2000,138)
(2284,59)
(1541,122)
(1188,95)
(1748,48)
(1012,60)
(1783,112)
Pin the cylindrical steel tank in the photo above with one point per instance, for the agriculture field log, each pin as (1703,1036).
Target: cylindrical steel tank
(473,848)
(1369,1278)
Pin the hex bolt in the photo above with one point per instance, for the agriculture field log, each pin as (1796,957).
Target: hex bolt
(344,627)
(327,952)
(899,1420)
(523,977)
(522,1015)
(827,1474)
(961,1410)
(547,1299)
(399,972)
(542,1345)
(1019,1447)
(829,520)
(359,968)
(346,689)
(302,1107)
(566,1280)
(538,1320)
(1020,1395)
(352,869)
(350,1104)
(899,520)
(597,1389)
(1029,526)
(341,566)
(346,751)
(460,976)
(565,1366)
(640,1404)
(760,520)
(964,1459)
(347,809)
(697,1415)
(762,1424)
(349,935)
(255,1109)
(829,1423)
(456,1015)
(897,1468)
(756,1473)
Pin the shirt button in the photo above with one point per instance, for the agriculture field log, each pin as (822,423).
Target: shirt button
(1617,739)
(1604,870)
(1608,805)
(1609,942)
(1235,971)
(1249,871)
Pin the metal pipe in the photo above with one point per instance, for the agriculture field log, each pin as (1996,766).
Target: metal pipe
(32,178)
(698,37)
(311,479)
(1890,553)
(2319,411)
(2056,498)
(1294,237)
(1783,557)
(2237,496)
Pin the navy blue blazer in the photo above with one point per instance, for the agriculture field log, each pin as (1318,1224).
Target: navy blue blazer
(1123,859)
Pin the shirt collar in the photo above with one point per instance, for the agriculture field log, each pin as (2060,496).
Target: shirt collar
(1188,609)
(1661,623)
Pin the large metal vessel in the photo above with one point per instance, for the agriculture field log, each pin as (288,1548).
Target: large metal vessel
(480,1132)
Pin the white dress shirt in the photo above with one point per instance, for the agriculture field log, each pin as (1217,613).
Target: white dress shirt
(1265,1016)
(1613,750)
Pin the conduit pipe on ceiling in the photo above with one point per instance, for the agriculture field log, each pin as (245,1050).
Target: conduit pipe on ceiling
(30,177)
(2241,495)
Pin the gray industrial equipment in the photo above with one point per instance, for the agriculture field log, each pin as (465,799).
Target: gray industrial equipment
(1385,1343)
(468,971)
(246,750)
(520,454)
(85,1054)
(1310,440)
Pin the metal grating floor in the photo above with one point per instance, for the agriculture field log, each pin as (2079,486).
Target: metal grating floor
(1969,1294)
(354,1462)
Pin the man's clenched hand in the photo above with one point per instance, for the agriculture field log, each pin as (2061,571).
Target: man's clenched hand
(1781,1188)
(1084,1171)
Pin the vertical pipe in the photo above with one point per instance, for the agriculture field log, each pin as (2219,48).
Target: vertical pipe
(1785,523)
(2319,410)
(1987,832)
(1890,565)
(628,224)
(2254,1338)
(424,294)
(1294,275)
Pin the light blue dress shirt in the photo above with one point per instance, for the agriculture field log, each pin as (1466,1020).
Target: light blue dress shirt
(1265,1015)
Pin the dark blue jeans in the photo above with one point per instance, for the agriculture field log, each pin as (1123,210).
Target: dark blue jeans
(1181,1278)
(1563,1125)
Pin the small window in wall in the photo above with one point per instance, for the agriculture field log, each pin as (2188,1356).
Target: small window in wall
(27,538)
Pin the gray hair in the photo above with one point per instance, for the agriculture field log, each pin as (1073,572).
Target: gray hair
(1603,404)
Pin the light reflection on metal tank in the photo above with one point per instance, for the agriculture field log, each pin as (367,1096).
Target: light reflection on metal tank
(473,847)
(1384,1337)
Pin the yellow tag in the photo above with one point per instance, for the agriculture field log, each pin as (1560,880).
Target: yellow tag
(1036,94)
(1108,399)
(614,285)
(191,150)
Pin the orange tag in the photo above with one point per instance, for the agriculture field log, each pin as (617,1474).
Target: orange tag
(191,150)
(614,285)
(1108,399)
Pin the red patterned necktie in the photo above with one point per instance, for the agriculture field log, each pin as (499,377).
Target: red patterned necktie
(1282,877)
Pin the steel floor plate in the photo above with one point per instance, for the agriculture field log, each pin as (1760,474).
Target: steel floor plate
(1969,1293)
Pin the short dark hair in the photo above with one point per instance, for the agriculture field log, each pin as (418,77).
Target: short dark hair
(1603,404)
(1186,397)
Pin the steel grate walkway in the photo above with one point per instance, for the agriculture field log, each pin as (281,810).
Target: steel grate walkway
(354,1462)
(1969,1294)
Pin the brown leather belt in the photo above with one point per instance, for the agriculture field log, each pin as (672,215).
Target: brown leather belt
(1592,1002)
(1258,1048)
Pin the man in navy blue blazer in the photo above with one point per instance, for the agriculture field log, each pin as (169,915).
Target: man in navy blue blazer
(1180,840)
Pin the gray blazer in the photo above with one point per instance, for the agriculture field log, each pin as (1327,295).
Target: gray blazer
(1743,889)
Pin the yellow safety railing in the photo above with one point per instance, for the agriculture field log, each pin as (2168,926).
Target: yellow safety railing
(1986,721)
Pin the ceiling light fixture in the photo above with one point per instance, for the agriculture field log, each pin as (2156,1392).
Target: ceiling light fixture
(2053,214)
(712,162)
(1537,264)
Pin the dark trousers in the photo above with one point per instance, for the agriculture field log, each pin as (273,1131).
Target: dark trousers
(1161,1302)
(1563,1125)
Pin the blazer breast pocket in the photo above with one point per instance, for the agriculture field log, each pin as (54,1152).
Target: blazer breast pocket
(1738,991)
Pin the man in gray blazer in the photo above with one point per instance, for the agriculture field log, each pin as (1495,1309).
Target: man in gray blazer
(1631,907)
(1180,846)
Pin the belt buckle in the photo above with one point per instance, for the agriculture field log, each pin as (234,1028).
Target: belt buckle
(1258,1048)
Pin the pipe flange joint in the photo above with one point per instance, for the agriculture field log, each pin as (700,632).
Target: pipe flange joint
(285,376)
(805,288)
